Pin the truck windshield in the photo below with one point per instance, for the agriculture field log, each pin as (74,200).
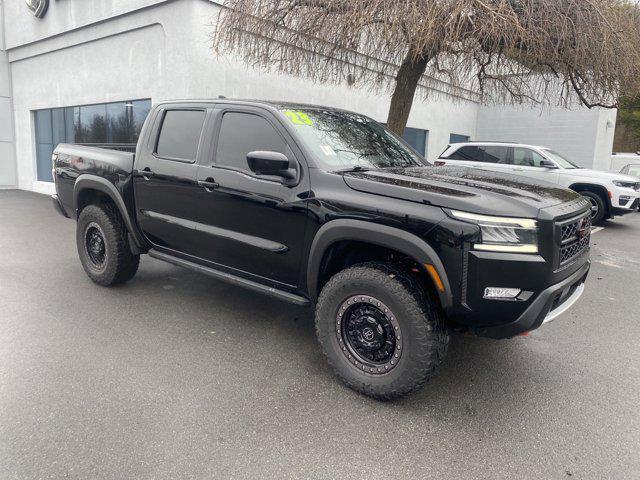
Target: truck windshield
(559,159)
(345,141)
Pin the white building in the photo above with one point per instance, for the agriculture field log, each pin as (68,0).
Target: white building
(88,70)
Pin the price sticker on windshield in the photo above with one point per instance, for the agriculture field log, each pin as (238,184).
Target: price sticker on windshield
(298,118)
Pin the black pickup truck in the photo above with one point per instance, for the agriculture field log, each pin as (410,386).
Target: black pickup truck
(325,207)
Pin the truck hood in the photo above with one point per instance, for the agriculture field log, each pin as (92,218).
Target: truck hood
(461,188)
(595,174)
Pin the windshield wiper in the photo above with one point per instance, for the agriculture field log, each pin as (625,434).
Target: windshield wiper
(357,168)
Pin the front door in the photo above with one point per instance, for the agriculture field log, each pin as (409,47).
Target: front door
(253,225)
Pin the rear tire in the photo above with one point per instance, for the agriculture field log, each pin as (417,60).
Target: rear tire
(598,207)
(380,331)
(103,246)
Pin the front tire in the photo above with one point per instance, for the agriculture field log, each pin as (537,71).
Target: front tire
(103,246)
(380,331)
(598,207)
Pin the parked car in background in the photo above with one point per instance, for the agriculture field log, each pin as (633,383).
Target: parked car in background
(610,194)
(633,170)
(314,205)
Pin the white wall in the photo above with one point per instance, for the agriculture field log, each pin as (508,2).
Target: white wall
(7,157)
(163,52)
(161,49)
(582,135)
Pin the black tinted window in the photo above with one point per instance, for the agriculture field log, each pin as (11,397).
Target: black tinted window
(180,134)
(494,154)
(482,153)
(242,133)
(466,153)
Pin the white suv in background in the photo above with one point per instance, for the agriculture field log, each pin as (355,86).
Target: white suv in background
(609,193)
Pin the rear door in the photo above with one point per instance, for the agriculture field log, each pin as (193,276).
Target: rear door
(253,225)
(165,177)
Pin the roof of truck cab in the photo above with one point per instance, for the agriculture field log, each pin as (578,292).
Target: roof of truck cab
(279,105)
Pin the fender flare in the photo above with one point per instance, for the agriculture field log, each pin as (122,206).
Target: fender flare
(385,236)
(597,189)
(93,182)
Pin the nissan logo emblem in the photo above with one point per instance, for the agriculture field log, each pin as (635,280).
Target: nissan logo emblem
(38,7)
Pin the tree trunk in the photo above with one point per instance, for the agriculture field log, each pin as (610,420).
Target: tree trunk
(407,79)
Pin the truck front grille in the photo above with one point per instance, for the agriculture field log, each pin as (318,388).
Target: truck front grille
(575,235)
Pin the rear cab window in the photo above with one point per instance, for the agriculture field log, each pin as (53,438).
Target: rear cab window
(180,134)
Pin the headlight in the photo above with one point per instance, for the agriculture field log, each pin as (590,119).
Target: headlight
(503,234)
(619,183)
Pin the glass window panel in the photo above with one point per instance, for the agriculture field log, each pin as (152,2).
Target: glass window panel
(139,111)
(494,154)
(43,161)
(526,157)
(70,132)
(57,116)
(234,143)
(469,153)
(93,124)
(416,137)
(119,121)
(180,134)
(456,138)
(78,133)
(43,126)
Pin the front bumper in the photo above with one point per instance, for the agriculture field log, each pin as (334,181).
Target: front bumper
(549,304)
(624,200)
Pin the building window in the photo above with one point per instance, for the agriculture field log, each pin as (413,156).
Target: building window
(456,138)
(98,125)
(417,138)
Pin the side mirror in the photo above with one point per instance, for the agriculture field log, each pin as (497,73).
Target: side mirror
(271,163)
(547,164)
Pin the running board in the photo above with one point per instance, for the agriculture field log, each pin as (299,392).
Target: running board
(233,279)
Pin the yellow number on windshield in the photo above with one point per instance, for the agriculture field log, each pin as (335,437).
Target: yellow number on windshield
(298,118)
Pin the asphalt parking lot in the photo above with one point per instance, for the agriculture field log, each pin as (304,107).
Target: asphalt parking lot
(176,375)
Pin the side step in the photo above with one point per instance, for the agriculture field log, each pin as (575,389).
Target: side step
(227,277)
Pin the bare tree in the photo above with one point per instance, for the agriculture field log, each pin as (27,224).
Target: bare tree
(516,51)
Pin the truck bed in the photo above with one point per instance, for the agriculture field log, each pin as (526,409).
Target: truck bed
(72,161)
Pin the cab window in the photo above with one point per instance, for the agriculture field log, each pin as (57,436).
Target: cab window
(241,133)
(180,135)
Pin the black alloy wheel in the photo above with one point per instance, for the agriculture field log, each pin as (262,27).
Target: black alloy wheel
(95,245)
(369,334)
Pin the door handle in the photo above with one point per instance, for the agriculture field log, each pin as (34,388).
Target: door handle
(209,184)
(518,169)
(146,173)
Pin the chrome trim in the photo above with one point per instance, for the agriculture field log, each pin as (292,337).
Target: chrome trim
(564,306)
